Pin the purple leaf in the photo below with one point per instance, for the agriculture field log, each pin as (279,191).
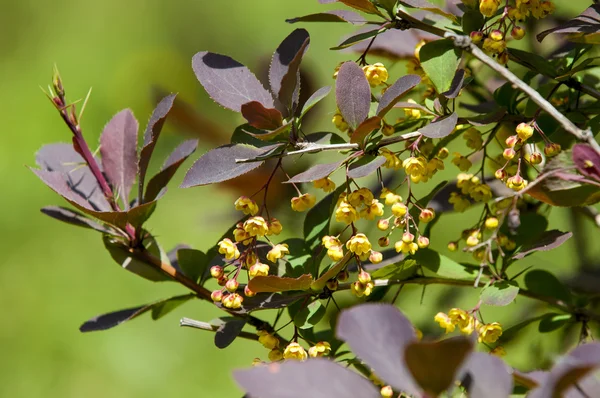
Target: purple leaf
(488,376)
(441,127)
(118,147)
(378,334)
(365,128)
(354,39)
(587,160)
(410,105)
(331,16)
(575,369)
(112,319)
(394,44)
(229,83)
(77,175)
(393,94)
(315,378)
(168,170)
(74,218)
(228,330)
(314,99)
(548,241)
(315,173)
(456,85)
(365,166)
(151,134)
(260,117)
(220,164)
(352,94)
(434,364)
(266,301)
(588,22)
(269,135)
(284,76)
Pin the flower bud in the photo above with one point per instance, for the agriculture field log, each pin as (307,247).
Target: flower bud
(509,153)
(500,174)
(511,141)
(427,215)
(332,284)
(452,246)
(524,131)
(384,241)
(222,280)
(423,242)
(383,224)
(375,257)
(216,271)
(503,58)
(491,223)
(496,35)
(476,36)
(535,158)
(343,276)
(364,277)
(517,32)
(443,153)
(552,149)
(248,292)
(216,296)
(232,285)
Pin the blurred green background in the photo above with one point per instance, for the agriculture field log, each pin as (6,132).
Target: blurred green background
(54,276)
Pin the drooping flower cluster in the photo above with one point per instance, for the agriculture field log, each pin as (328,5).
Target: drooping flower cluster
(467,324)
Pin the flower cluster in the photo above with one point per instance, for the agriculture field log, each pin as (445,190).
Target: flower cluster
(471,189)
(467,324)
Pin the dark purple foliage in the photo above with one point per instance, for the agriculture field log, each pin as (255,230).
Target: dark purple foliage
(487,376)
(456,85)
(587,22)
(118,147)
(284,73)
(393,94)
(74,218)
(548,241)
(441,127)
(394,43)
(331,16)
(365,166)
(587,160)
(315,378)
(315,173)
(220,164)
(352,94)
(228,331)
(168,170)
(267,301)
(229,83)
(378,334)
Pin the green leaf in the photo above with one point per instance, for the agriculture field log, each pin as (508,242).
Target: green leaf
(551,322)
(297,259)
(472,21)
(397,272)
(358,38)
(192,262)
(444,266)
(314,99)
(316,223)
(308,316)
(512,332)
(162,308)
(122,256)
(546,284)
(439,60)
(273,283)
(320,283)
(533,61)
(506,96)
(500,293)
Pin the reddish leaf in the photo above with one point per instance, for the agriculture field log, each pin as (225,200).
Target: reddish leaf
(260,117)
(588,22)
(229,83)
(315,378)
(168,170)
(118,147)
(393,94)
(273,283)
(220,164)
(78,177)
(331,16)
(151,134)
(335,269)
(365,166)
(269,135)
(378,334)
(548,241)
(315,173)
(587,160)
(284,73)
(434,364)
(74,218)
(352,94)
(365,128)
(441,127)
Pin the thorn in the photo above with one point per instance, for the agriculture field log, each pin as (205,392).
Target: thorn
(87,97)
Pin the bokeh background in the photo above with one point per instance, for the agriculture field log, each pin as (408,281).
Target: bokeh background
(54,276)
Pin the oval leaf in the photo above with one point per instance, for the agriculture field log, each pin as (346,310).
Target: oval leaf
(441,127)
(365,128)
(316,172)
(393,94)
(331,16)
(314,99)
(229,329)
(587,160)
(444,266)
(74,218)
(260,117)
(273,283)
(229,83)
(548,241)
(315,378)
(378,334)
(352,94)
(489,377)
(309,315)
(220,164)
(546,284)
(499,294)
(285,66)
(365,166)
(192,262)
(439,60)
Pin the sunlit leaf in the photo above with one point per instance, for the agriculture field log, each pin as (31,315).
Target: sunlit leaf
(314,99)
(365,128)
(273,283)
(439,60)
(352,40)
(365,166)
(441,127)
(444,266)
(260,117)
(548,241)
(308,315)
(499,294)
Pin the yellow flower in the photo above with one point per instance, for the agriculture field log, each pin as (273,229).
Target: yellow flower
(295,351)
(326,184)
(460,202)
(461,162)
(444,321)
(490,332)
(275,355)
(552,149)
(415,166)
(375,257)
(339,122)
(494,46)
(376,74)
(358,244)
(320,349)
(277,252)
(399,209)
(240,235)
(406,247)
(232,301)
(330,241)
(256,226)
(516,183)
(390,197)
(488,7)
(372,210)
(336,253)
(498,351)
(473,138)
(392,161)
(491,223)
(361,289)
(524,131)
(464,321)
(275,227)
(258,269)
(412,113)
(229,249)
(346,213)
(246,205)
(481,193)
(303,202)
(268,340)
(360,196)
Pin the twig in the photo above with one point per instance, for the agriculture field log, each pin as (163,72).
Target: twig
(192,323)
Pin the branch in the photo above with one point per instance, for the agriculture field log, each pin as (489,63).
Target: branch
(187,322)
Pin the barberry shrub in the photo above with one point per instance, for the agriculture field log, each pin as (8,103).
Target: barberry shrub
(522,131)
